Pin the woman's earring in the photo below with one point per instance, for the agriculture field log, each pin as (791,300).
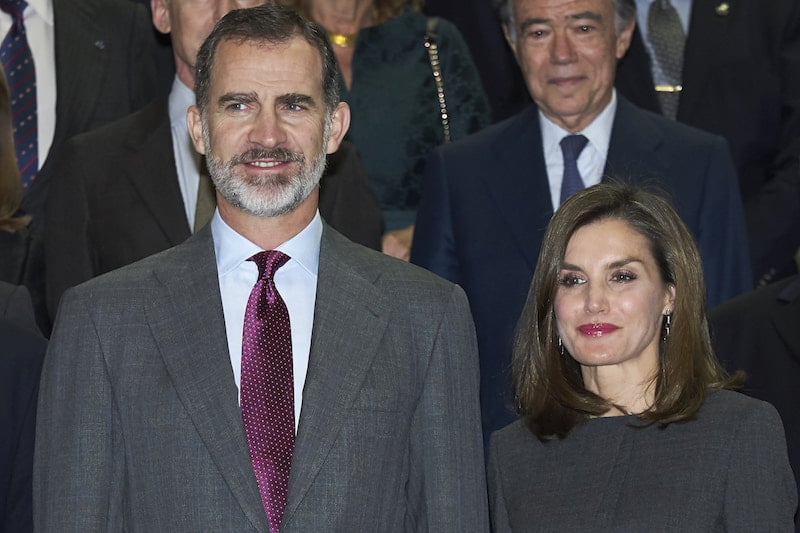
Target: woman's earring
(667,324)
(560,346)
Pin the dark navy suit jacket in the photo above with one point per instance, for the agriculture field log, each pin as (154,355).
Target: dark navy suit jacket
(486,205)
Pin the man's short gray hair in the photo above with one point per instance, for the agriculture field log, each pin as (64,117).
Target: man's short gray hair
(624,11)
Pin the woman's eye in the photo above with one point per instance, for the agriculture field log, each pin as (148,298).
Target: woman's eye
(623,276)
(568,280)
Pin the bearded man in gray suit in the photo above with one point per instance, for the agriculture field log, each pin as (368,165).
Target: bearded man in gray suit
(139,424)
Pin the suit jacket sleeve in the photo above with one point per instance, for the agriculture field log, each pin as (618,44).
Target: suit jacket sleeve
(79,461)
(759,471)
(434,243)
(722,237)
(446,489)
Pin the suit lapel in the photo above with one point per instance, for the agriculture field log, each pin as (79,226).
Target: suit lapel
(186,320)
(519,185)
(786,318)
(633,152)
(77,60)
(707,34)
(150,168)
(347,305)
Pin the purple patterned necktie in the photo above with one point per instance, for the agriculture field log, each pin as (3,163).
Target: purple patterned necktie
(21,75)
(571,148)
(267,386)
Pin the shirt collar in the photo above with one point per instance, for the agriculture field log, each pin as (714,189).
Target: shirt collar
(43,8)
(232,249)
(180,98)
(598,132)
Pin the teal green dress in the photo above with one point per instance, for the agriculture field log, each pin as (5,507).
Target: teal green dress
(396,120)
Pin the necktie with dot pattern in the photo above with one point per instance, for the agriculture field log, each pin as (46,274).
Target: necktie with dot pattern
(267,386)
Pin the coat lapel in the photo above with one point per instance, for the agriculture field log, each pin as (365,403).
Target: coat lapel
(347,304)
(150,168)
(519,184)
(633,152)
(187,323)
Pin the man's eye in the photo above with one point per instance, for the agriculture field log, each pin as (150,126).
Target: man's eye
(585,28)
(535,34)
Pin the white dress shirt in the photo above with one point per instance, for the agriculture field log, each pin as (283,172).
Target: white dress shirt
(187,160)
(684,9)
(592,159)
(296,282)
(38,19)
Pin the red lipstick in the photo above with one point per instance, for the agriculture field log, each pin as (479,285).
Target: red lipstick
(597,330)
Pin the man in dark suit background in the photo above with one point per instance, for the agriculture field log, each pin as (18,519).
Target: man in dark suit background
(130,189)
(488,199)
(145,420)
(21,353)
(100,68)
(759,332)
(740,79)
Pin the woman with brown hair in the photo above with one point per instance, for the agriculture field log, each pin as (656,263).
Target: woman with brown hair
(626,420)
(411,85)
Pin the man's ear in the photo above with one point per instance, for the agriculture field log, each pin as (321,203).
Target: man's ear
(161,20)
(195,125)
(624,38)
(507,33)
(340,122)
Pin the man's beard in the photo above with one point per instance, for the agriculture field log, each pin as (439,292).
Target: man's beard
(266,196)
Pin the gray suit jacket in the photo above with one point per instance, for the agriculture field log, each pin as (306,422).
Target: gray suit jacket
(139,426)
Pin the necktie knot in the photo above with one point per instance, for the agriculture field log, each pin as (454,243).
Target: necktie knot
(15,8)
(269,262)
(573,145)
(571,148)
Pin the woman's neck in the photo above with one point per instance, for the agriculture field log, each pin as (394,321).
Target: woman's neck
(343,16)
(633,391)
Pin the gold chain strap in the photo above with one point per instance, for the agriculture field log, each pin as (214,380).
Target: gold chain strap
(433,55)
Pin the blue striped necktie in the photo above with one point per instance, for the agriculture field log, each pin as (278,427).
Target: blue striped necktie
(21,76)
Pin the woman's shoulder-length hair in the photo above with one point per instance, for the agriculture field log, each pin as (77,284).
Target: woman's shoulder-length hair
(10,184)
(549,387)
